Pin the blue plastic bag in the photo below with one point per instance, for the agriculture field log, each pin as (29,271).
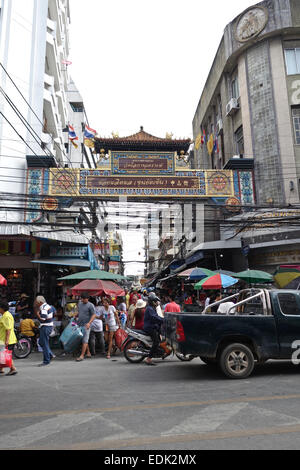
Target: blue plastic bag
(71,337)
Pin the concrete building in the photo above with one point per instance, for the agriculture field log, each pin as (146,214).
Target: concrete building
(250,104)
(251,99)
(38,100)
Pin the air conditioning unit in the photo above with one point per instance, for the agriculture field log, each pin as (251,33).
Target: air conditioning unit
(219,126)
(232,107)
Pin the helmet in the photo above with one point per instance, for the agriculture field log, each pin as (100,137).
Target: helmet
(153,297)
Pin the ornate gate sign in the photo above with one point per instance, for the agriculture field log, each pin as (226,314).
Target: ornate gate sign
(135,174)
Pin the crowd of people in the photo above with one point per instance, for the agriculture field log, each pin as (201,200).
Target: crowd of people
(100,318)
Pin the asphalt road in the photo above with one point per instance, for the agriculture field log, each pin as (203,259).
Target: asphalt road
(113,405)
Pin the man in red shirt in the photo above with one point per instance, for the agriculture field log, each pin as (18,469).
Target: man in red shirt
(172,306)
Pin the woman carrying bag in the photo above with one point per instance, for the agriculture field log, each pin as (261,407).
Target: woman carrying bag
(7,334)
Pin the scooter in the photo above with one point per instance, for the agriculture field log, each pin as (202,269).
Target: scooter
(137,345)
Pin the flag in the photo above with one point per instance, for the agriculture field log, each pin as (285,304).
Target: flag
(66,62)
(198,141)
(204,137)
(73,136)
(210,144)
(89,136)
(216,145)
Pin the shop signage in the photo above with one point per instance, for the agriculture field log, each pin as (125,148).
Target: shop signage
(69,252)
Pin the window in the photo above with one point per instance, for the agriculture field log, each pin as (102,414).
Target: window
(288,304)
(235,91)
(239,141)
(292,60)
(296,122)
(77,107)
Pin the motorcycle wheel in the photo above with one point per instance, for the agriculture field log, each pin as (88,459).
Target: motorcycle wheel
(135,345)
(185,358)
(22,348)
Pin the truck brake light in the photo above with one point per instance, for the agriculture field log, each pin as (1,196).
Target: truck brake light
(180,336)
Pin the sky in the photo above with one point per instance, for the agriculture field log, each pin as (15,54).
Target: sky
(145,63)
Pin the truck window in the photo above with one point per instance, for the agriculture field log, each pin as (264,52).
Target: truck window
(288,304)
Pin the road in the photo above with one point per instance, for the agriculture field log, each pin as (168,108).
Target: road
(113,405)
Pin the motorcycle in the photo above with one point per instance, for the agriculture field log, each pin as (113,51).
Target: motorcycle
(23,347)
(137,345)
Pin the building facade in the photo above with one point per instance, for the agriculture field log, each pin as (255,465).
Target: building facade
(251,100)
(248,117)
(38,101)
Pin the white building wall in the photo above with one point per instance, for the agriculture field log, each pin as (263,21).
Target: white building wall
(32,48)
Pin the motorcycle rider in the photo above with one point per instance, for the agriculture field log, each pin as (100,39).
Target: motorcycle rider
(152,326)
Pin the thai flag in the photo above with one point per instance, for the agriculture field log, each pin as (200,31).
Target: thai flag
(89,133)
(72,133)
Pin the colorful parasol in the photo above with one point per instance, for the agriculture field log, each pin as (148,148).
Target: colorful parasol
(3,281)
(98,287)
(215,282)
(198,274)
(286,274)
(254,276)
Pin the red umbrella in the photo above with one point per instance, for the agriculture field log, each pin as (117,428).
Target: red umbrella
(3,281)
(97,287)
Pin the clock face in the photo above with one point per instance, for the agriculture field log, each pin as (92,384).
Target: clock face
(251,23)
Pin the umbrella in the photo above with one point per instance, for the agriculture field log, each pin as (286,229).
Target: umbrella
(253,276)
(3,281)
(294,285)
(284,275)
(98,287)
(227,273)
(93,274)
(217,281)
(200,273)
(186,273)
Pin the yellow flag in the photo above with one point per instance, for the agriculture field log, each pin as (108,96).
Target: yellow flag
(89,143)
(210,145)
(198,141)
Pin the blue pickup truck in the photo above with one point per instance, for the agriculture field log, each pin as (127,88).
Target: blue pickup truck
(258,324)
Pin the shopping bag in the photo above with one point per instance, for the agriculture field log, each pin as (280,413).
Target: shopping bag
(71,337)
(120,336)
(5,359)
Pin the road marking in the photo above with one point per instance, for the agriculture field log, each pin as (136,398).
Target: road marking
(117,409)
(180,439)
(26,436)
(208,419)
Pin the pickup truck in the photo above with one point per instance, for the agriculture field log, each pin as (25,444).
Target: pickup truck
(260,324)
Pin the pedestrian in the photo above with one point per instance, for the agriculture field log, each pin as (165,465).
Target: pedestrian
(111,323)
(7,333)
(130,317)
(96,335)
(139,313)
(172,306)
(122,311)
(152,326)
(22,307)
(45,316)
(85,317)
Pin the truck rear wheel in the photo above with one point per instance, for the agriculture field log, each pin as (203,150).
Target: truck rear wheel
(237,361)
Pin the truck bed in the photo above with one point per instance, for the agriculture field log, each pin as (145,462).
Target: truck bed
(204,333)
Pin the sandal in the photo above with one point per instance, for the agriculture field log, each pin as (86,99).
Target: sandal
(108,356)
(79,359)
(12,372)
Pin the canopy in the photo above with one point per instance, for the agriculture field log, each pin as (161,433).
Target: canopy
(200,273)
(93,274)
(253,276)
(3,281)
(98,287)
(218,281)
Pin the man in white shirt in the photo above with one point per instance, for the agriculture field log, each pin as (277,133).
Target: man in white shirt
(45,315)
